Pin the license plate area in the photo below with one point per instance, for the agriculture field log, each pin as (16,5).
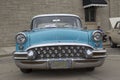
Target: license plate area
(60,64)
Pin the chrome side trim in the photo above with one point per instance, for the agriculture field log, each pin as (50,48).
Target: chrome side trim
(21,58)
(17,55)
(99,51)
(63,59)
(20,53)
(57,44)
(99,56)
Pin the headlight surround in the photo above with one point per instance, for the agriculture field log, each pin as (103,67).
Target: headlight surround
(21,38)
(97,36)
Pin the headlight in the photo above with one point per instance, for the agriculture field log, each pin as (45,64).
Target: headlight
(97,36)
(20,38)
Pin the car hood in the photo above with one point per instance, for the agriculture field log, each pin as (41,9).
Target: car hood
(113,21)
(58,35)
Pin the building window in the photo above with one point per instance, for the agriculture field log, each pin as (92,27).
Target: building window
(90,14)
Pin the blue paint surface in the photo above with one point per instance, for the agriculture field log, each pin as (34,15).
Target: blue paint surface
(56,35)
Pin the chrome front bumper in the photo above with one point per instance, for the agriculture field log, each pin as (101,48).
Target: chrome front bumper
(62,63)
(50,64)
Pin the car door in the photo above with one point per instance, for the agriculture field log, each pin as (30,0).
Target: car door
(116,33)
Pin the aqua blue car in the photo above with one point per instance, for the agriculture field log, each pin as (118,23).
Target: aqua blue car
(58,41)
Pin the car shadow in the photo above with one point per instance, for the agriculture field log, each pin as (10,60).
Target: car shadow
(56,73)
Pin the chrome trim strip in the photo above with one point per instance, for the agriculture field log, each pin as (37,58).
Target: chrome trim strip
(64,59)
(59,59)
(99,51)
(44,15)
(99,56)
(20,58)
(21,53)
(57,44)
(21,33)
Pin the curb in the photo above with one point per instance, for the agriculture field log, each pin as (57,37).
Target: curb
(5,55)
(6,51)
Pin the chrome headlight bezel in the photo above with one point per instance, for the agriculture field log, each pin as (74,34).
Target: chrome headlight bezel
(21,38)
(97,36)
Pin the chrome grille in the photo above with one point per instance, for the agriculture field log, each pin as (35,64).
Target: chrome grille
(62,51)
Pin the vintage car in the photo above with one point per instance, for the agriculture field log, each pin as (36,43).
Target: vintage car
(114,33)
(58,41)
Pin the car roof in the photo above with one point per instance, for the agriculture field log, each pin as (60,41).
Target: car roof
(114,20)
(43,15)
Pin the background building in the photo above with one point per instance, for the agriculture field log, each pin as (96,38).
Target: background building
(15,15)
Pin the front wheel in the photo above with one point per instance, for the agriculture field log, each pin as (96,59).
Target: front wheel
(26,70)
(112,44)
(90,69)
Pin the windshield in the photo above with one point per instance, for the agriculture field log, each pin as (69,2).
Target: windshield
(57,22)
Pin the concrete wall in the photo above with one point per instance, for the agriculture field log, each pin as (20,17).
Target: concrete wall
(103,14)
(15,15)
(114,8)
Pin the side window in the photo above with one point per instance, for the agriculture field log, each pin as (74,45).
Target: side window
(117,25)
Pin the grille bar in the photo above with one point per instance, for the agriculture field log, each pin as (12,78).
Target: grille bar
(62,51)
